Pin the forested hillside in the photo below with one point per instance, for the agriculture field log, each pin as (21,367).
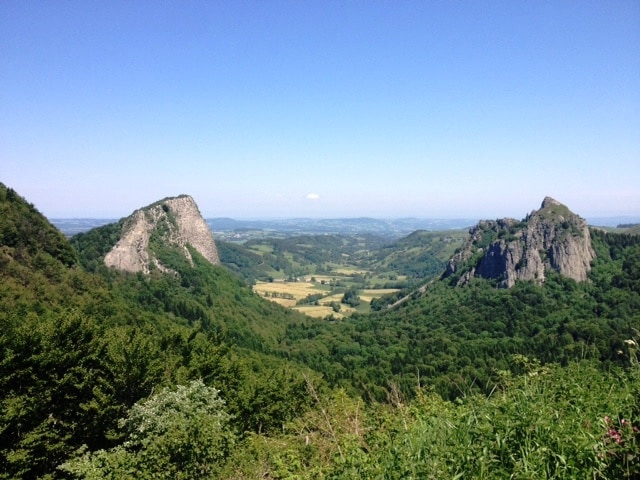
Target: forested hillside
(458,338)
(116,375)
(79,348)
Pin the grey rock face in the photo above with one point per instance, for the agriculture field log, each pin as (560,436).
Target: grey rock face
(550,238)
(177,221)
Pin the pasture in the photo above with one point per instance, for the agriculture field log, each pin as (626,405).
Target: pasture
(289,295)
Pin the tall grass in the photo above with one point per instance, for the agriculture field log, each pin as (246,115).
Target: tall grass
(576,422)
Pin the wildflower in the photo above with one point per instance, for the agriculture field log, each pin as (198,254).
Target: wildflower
(615,435)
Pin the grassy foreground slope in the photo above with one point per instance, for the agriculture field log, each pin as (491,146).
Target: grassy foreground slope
(550,422)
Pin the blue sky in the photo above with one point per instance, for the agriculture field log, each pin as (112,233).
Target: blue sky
(278,109)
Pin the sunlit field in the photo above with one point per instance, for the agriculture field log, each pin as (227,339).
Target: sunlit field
(288,294)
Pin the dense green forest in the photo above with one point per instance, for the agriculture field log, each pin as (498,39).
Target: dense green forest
(112,375)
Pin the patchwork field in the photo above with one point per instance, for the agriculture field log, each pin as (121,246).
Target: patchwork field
(322,311)
(369,294)
(296,290)
(349,271)
(289,294)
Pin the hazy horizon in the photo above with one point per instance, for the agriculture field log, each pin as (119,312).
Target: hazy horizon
(322,109)
(605,221)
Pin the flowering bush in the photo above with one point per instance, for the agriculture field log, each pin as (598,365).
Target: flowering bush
(180,433)
(620,448)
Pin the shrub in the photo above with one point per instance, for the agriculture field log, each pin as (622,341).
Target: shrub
(177,434)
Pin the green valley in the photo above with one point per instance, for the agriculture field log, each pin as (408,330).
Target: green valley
(312,273)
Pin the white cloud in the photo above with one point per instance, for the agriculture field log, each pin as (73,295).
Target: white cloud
(312,196)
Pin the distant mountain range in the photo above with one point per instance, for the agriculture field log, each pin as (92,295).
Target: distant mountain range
(393,228)
(225,227)
(383,227)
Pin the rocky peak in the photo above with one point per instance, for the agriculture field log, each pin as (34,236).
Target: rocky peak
(174,222)
(549,202)
(551,238)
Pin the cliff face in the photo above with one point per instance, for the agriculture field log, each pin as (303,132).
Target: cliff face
(550,238)
(175,222)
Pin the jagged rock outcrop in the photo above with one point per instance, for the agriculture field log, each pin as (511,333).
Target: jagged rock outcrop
(508,250)
(174,222)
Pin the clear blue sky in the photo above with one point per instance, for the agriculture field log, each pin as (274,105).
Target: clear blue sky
(274,109)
